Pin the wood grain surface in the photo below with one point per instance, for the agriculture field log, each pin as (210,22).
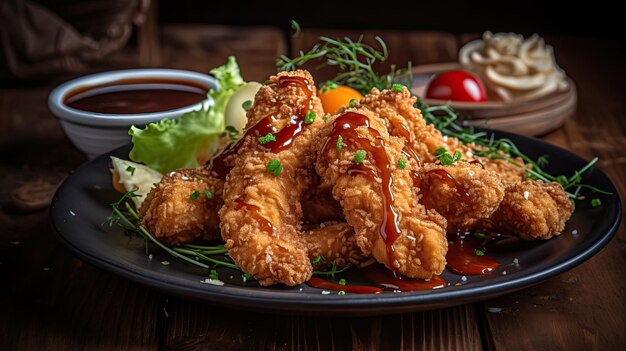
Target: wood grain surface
(49,300)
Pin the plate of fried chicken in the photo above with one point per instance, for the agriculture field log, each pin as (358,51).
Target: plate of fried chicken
(367,211)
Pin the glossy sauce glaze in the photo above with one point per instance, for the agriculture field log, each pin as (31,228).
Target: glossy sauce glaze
(345,126)
(255,213)
(133,101)
(284,137)
(467,256)
(382,278)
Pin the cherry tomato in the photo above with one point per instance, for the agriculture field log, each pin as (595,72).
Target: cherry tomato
(457,85)
(336,96)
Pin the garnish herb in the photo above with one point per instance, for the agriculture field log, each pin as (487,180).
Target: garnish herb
(479,253)
(484,144)
(197,176)
(126,217)
(208,194)
(352,102)
(397,87)
(332,271)
(325,118)
(194,195)
(246,276)
(131,170)
(342,281)
(328,86)
(317,260)
(341,292)
(596,202)
(359,157)
(355,61)
(296,29)
(480,236)
(274,167)
(266,138)
(339,143)
(247,105)
(231,132)
(310,117)
(214,275)
(445,158)
(402,163)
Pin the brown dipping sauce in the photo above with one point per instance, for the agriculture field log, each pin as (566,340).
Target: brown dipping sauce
(139,100)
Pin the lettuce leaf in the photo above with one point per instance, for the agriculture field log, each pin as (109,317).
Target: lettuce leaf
(181,143)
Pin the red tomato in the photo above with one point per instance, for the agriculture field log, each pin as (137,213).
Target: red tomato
(456,85)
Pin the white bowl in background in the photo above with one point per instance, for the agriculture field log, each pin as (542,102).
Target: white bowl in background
(96,133)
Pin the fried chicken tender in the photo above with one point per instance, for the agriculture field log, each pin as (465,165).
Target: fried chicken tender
(172,216)
(532,210)
(370,199)
(462,193)
(334,242)
(260,219)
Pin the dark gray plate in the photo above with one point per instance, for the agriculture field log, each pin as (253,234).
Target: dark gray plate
(80,207)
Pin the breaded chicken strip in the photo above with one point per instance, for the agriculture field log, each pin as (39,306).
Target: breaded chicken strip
(462,193)
(333,242)
(404,120)
(359,159)
(531,210)
(260,219)
(170,213)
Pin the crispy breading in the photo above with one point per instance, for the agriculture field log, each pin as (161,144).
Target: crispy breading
(260,219)
(333,242)
(532,210)
(419,250)
(462,193)
(170,213)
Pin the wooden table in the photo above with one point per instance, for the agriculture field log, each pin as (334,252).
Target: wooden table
(51,300)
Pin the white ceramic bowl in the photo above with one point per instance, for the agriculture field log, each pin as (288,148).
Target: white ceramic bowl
(96,133)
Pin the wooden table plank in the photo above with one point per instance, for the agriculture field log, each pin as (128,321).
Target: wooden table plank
(191,326)
(583,308)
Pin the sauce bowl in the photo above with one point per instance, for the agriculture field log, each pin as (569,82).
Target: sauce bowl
(96,133)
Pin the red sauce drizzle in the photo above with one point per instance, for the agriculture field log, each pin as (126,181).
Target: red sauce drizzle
(477,162)
(284,137)
(382,276)
(462,259)
(345,125)
(320,283)
(254,212)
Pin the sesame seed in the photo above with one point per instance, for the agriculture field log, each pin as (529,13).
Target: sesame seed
(172,174)
(463,278)
(469,153)
(165,263)
(411,237)
(300,289)
(324,292)
(575,232)
(46,268)
(72,213)
(445,138)
(494,309)
(516,261)
(503,272)
(471,173)
(268,258)
(150,257)
(184,178)
(15,242)
(213,282)
(526,193)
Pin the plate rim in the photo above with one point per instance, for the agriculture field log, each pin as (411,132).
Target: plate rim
(372,304)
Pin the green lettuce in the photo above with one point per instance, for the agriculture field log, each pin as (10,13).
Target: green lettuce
(170,144)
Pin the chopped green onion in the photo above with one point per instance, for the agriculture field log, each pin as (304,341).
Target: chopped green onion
(197,176)
(246,276)
(247,105)
(342,281)
(402,163)
(328,86)
(341,292)
(208,194)
(359,157)
(194,195)
(325,118)
(214,275)
(479,253)
(352,102)
(310,117)
(131,170)
(274,167)
(266,138)
(339,143)
(397,87)
(596,202)
(480,236)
